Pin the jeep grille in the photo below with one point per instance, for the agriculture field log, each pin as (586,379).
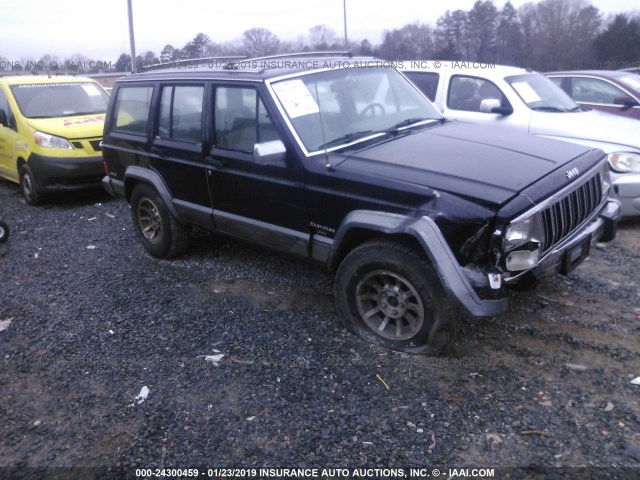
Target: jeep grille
(568,213)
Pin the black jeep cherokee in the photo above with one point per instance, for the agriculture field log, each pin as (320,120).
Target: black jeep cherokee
(344,161)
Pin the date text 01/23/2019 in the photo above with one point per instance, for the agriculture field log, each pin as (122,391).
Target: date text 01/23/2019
(344,473)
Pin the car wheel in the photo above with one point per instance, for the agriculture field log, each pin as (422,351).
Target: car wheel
(388,294)
(4,232)
(30,191)
(161,234)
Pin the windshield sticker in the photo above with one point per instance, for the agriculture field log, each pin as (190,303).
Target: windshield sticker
(527,93)
(91,90)
(296,98)
(79,121)
(47,85)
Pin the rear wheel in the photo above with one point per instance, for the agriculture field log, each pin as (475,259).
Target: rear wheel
(388,294)
(160,233)
(4,232)
(30,191)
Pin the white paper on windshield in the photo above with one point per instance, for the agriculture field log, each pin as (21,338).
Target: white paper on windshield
(527,93)
(296,98)
(91,90)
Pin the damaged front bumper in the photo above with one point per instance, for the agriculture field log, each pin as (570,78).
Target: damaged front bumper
(567,255)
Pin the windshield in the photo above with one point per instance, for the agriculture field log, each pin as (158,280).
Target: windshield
(632,81)
(50,100)
(335,108)
(540,93)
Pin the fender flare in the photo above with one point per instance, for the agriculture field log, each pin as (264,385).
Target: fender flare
(428,235)
(152,178)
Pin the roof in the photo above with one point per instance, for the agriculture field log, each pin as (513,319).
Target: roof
(255,69)
(594,73)
(41,79)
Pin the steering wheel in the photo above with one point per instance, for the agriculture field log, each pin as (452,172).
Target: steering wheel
(370,110)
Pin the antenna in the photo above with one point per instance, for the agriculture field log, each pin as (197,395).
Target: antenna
(327,162)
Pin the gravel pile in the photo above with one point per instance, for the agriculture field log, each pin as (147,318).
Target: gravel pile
(233,357)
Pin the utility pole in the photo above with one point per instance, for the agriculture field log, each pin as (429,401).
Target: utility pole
(132,40)
(346,39)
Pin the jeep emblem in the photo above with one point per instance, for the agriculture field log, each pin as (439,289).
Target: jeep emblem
(574,172)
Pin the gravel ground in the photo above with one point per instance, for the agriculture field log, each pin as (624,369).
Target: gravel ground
(88,319)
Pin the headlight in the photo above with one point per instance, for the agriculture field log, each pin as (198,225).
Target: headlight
(51,141)
(522,232)
(624,162)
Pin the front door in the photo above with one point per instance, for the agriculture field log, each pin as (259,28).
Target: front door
(258,202)
(10,142)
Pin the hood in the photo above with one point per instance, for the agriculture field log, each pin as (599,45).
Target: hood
(602,130)
(75,127)
(485,163)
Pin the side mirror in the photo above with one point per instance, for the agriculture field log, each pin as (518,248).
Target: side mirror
(626,102)
(493,105)
(3,119)
(269,153)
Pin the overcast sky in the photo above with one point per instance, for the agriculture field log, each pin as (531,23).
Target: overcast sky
(99,29)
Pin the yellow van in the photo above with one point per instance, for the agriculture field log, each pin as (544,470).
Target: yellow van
(50,133)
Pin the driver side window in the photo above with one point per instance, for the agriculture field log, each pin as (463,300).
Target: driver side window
(4,106)
(241,119)
(467,93)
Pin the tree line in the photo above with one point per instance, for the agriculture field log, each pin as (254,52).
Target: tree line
(547,35)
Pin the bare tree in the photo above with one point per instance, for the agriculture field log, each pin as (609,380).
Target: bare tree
(451,38)
(77,62)
(620,41)
(196,48)
(559,33)
(259,42)
(509,49)
(413,41)
(481,26)
(322,37)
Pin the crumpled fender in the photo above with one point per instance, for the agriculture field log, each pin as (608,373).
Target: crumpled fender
(427,233)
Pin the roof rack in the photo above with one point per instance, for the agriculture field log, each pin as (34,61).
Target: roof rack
(193,61)
(322,53)
(254,60)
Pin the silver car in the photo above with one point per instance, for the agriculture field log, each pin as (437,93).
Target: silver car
(527,101)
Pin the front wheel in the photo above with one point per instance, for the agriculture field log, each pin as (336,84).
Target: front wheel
(161,234)
(30,191)
(388,294)
(4,232)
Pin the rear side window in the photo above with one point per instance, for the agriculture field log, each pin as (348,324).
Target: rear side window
(593,90)
(427,82)
(181,113)
(131,111)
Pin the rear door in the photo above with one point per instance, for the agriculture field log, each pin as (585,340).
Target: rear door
(177,152)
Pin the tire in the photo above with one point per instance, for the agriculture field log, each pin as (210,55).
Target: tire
(4,232)
(388,294)
(30,191)
(160,233)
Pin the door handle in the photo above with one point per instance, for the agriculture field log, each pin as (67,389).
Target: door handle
(159,150)
(216,162)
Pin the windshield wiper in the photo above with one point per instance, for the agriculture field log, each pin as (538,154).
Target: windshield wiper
(405,123)
(549,109)
(346,138)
